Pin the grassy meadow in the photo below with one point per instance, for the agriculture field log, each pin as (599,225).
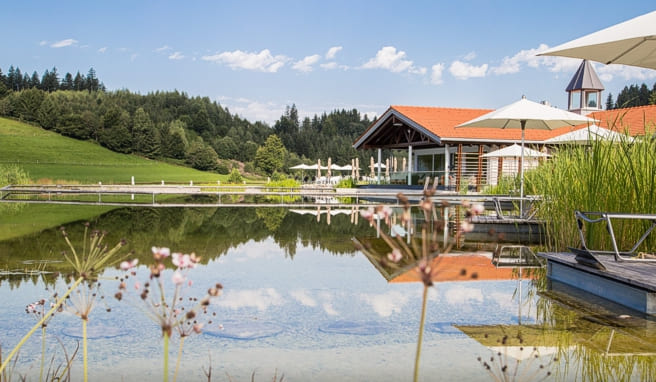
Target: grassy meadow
(48,157)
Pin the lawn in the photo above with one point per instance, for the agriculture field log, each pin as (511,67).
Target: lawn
(51,158)
(17,220)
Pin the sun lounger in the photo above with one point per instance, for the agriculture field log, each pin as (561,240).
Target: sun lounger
(590,256)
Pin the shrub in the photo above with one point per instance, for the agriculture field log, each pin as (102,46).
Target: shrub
(13,174)
(235,176)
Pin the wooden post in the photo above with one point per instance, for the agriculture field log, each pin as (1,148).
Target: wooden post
(479,175)
(459,168)
(499,167)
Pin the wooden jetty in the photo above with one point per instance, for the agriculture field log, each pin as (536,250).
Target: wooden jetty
(632,284)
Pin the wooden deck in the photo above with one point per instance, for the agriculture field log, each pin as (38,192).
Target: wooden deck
(631,284)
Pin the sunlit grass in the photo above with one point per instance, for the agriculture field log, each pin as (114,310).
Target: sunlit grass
(49,157)
(603,176)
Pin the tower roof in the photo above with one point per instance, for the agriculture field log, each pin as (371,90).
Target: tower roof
(585,78)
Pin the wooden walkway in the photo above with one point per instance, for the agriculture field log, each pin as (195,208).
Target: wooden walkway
(631,284)
(156,195)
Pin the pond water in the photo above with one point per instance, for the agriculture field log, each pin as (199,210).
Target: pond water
(300,301)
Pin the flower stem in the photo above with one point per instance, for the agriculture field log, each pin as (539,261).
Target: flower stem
(39,324)
(420,338)
(84,349)
(43,352)
(177,362)
(166,357)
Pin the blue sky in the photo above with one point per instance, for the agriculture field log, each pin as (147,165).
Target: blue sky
(257,57)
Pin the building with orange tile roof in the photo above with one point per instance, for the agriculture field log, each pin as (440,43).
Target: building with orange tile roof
(437,149)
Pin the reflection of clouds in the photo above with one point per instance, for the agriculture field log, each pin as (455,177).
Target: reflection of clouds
(255,250)
(303,297)
(329,309)
(255,298)
(327,304)
(386,304)
(505,300)
(460,295)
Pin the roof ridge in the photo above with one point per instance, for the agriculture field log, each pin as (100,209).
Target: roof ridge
(438,107)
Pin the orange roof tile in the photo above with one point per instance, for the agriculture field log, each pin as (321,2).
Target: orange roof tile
(443,121)
(451,266)
(635,119)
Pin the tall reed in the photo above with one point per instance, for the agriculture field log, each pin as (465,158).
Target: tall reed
(604,175)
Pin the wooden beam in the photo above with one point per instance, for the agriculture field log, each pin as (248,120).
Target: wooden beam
(479,174)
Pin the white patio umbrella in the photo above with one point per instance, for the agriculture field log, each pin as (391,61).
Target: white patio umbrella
(301,166)
(632,42)
(586,135)
(525,114)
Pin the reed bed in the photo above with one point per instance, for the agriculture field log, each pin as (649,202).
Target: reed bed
(604,175)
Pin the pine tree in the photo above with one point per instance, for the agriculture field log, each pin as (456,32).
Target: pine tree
(67,82)
(609,101)
(79,82)
(92,83)
(145,138)
(35,82)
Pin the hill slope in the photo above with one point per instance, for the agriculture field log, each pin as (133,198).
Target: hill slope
(50,157)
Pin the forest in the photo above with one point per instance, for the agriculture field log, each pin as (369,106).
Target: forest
(176,127)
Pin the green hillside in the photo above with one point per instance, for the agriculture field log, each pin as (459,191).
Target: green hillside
(50,157)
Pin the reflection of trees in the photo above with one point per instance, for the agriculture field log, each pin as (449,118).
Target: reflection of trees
(209,232)
(603,343)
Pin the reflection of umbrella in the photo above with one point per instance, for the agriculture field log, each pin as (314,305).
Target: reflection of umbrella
(632,42)
(525,114)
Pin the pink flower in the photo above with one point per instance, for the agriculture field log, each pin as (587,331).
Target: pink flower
(161,252)
(395,256)
(137,285)
(183,261)
(125,265)
(466,226)
(198,328)
(177,278)
(368,213)
(477,209)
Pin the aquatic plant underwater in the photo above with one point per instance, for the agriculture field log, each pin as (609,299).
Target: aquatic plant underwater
(84,293)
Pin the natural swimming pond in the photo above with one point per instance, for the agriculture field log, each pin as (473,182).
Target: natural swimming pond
(300,301)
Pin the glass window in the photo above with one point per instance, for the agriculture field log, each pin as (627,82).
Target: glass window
(575,100)
(591,99)
(424,162)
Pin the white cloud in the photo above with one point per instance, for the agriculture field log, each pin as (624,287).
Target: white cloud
(43,42)
(388,58)
(261,299)
(470,56)
(436,74)
(305,65)
(463,70)
(133,56)
(63,43)
(102,50)
(333,65)
(462,295)
(163,48)
(176,56)
(329,309)
(303,297)
(268,112)
(608,72)
(386,304)
(332,52)
(263,61)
